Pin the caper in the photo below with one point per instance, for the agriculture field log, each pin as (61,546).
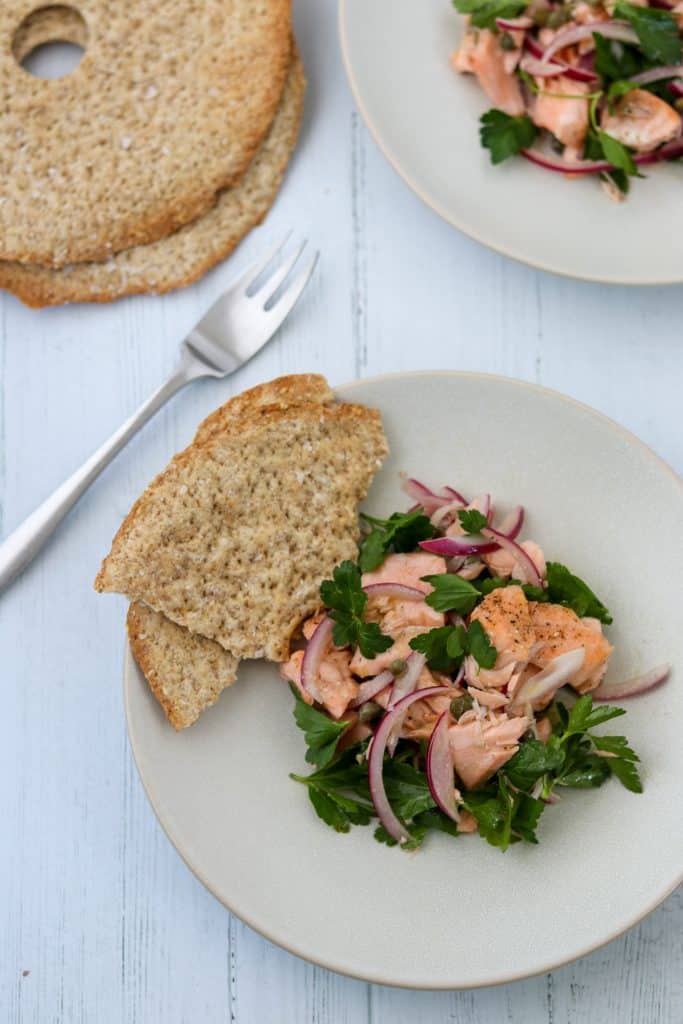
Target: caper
(368,711)
(398,667)
(557,18)
(459,705)
(507,42)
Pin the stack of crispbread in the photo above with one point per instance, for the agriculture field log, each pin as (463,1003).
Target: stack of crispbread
(224,553)
(148,163)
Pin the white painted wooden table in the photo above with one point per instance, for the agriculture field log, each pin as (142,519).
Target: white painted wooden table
(100,921)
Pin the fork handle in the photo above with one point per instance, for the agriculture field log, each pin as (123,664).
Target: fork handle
(24,543)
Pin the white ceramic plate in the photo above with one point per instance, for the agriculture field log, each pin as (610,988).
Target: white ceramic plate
(425,119)
(458,913)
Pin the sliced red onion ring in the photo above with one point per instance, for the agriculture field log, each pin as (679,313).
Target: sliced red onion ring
(371,687)
(540,69)
(512,523)
(619,30)
(452,547)
(440,770)
(676,87)
(514,24)
(455,495)
(557,163)
(527,564)
(578,74)
(657,74)
(631,687)
(557,673)
(405,684)
(389,589)
(376,762)
(407,681)
(482,503)
(428,499)
(671,151)
(316,649)
(445,511)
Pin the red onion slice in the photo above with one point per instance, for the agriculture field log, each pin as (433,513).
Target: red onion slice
(371,687)
(657,74)
(482,503)
(445,512)
(619,30)
(671,151)
(440,770)
(512,523)
(578,74)
(631,687)
(556,163)
(514,24)
(316,649)
(455,495)
(541,69)
(676,87)
(552,69)
(376,763)
(557,673)
(452,547)
(528,566)
(428,499)
(389,589)
(405,683)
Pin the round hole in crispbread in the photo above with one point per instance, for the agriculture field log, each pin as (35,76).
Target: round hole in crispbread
(50,41)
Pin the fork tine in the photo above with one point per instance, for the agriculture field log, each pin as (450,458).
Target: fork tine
(254,270)
(289,298)
(271,285)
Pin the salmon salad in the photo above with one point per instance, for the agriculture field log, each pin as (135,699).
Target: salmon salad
(453,678)
(579,87)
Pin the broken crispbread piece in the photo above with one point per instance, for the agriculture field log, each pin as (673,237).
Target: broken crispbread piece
(186,673)
(233,539)
(283,391)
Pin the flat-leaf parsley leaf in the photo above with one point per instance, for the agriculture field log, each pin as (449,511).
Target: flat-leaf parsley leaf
(657,32)
(400,532)
(504,135)
(346,599)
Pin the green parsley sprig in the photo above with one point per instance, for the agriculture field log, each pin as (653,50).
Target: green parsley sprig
(504,135)
(400,532)
(446,646)
(346,600)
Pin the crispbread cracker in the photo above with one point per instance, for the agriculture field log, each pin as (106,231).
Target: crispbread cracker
(186,673)
(283,391)
(168,106)
(183,257)
(233,539)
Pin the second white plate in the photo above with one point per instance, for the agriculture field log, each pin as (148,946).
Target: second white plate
(425,119)
(458,913)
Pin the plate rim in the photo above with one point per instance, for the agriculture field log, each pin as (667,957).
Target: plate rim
(444,213)
(376,977)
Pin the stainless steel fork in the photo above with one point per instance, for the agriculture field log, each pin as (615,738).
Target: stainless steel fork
(236,327)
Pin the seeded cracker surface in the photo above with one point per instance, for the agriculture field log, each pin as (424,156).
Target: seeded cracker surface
(185,671)
(168,106)
(233,539)
(186,255)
